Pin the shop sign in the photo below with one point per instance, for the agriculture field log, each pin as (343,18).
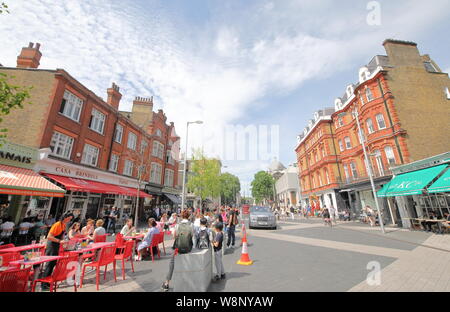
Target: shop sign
(16,155)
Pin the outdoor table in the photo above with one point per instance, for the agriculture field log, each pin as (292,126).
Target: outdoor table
(36,263)
(22,248)
(135,238)
(81,251)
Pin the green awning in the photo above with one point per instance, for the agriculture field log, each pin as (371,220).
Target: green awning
(411,183)
(442,184)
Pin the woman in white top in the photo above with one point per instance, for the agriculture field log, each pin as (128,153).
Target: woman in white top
(128,228)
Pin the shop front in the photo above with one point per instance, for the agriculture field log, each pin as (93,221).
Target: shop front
(22,190)
(89,191)
(419,192)
(171,199)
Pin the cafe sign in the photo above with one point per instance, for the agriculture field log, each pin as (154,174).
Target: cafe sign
(12,154)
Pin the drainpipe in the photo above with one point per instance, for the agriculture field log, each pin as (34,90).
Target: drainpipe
(390,121)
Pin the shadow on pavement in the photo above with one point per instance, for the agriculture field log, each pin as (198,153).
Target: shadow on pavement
(217,286)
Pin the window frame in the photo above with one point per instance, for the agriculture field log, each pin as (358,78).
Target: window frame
(86,154)
(70,98)
(97,120)
(348,143)
(126,167)
(64,148)
(378,121)
(370,128)
(115,161)
(130,134)
(116,133)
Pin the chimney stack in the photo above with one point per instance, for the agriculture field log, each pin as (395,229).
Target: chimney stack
(29,56)
(114,96)
(142,111)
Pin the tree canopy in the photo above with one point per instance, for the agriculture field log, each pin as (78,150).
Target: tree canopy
(204,178)
(262,186)
(229,187)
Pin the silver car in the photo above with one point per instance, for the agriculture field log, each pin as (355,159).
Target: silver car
(262,217)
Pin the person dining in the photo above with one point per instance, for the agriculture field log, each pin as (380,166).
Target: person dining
(55,237)
(99,229)
(7,228)
(88,230)
(147,241)
(128,228)
(74,230)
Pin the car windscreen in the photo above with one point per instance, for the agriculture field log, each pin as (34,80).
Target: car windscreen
(259,209)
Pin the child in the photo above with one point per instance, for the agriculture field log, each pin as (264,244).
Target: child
(217,243)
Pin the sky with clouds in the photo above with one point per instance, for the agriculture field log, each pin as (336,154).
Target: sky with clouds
(254,64)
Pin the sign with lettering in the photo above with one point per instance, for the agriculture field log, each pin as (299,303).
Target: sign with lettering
(62,168)
(12,154)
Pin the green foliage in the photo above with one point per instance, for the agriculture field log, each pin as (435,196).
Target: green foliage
(229,187)
(262,186)
(3,8)
(11,97)
(204,178)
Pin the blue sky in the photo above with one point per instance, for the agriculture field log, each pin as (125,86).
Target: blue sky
(246,63)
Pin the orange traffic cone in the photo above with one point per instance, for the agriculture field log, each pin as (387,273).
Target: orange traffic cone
(245,259)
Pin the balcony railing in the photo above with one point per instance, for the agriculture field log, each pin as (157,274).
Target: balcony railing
(362,176)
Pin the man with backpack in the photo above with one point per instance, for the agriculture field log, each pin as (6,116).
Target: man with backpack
(184,234)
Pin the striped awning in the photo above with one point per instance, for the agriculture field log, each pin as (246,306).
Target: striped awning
(21,181)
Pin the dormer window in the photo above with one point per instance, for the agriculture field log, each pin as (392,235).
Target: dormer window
(338,104)
(316,116)
(363,74)
(349,91)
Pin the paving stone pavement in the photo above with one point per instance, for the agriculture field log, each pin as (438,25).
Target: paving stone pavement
(304,255)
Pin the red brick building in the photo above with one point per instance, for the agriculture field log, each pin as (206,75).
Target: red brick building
(402,106)
(101,156)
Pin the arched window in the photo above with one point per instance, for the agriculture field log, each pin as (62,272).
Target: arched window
(341,145)
(369,124)
(369,95)
(390,156)
(327,176)
(348,143)
(319,178)
(380,121)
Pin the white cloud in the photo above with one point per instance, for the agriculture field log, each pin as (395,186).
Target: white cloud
(215,74)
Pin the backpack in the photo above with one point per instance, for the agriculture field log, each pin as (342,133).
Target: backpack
(203,239)
(183,239)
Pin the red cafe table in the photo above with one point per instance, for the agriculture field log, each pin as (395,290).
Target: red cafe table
(36,263)
(22,248)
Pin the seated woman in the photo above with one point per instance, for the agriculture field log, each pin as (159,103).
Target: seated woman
(88,230)
(74,230)
(128,228)
(99,229)
(147,241)
(165,222)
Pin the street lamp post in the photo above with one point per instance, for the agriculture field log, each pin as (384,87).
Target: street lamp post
(183,193)
(369,169)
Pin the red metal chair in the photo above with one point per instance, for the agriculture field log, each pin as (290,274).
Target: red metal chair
(15,280)
(155,243)
(107,256)
(120,242)
(63,268)
(100,238)
(9,257)
(7,246)
(126,255)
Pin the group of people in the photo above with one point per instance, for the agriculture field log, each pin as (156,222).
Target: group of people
(30,228)
(439,227)
(195,230)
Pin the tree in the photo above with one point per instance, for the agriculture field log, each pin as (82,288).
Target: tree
(229,187)
(3,8)
(204,180)
(262,186)
(10,96)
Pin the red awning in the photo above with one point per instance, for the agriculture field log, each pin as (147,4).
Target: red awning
(82,185)
(21,181)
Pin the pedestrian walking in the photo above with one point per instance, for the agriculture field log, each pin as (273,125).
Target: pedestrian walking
(232,222)
(184,234)
(112,220)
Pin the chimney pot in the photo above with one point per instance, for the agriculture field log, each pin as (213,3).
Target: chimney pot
(29,57)
(30,45)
